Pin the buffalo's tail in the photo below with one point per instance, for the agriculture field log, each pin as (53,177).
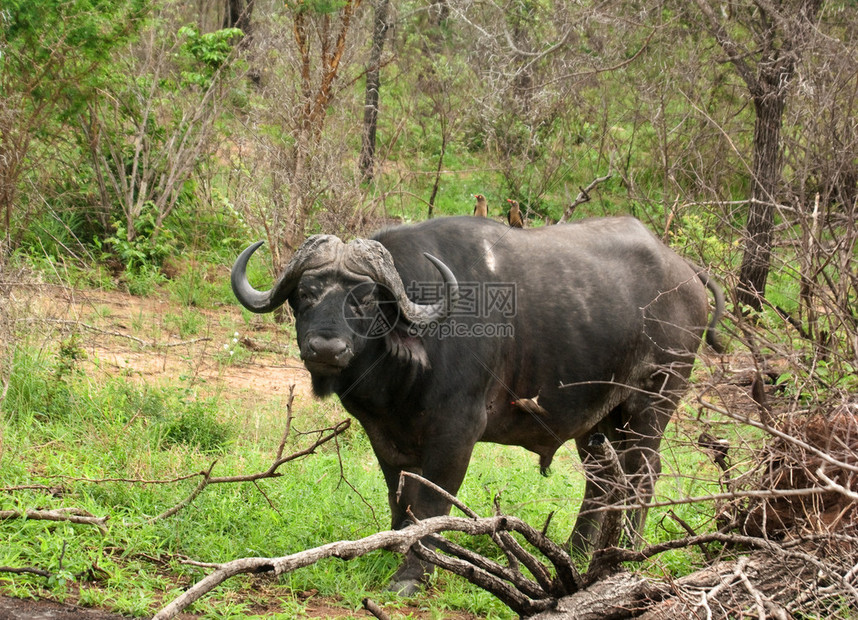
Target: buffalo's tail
(718,294)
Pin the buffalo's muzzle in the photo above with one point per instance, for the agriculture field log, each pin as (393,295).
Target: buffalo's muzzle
(326,355)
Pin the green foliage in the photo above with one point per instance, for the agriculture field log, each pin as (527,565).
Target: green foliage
(41,385)
(695,235)
(123,401)
(194,286)
(172,415)
(142,281)
(56,235)
(70,353)
(188,323)
(147,247)
(209,52)
(59,42)
(28,385)
(216,228)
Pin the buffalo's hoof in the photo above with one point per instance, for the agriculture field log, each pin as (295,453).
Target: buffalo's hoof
(404,587)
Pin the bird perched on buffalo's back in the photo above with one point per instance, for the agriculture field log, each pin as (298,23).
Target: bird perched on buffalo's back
(514,216)
(481,209)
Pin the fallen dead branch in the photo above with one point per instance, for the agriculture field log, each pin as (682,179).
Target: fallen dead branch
(567,578)
(71,515)
(605,467)
(25,570)
(399,541)
(55,491)
(771,579)
(759,584)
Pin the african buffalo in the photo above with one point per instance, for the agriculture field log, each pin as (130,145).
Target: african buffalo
(433,334)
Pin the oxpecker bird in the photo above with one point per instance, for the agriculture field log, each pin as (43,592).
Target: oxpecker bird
(481,209)
(514,216)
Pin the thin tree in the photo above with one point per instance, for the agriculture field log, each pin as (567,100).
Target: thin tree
(237,14)
(764,41)
(331,26)
(373,83)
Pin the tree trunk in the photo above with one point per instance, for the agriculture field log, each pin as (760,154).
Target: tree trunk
(373,83)
(437,184)
(756,259)
(779,31)
(238,13)
(759,585)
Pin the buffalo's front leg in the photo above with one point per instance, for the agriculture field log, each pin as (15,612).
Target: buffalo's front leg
(444,463)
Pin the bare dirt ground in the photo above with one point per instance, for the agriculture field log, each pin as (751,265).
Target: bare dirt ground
(154,339)
(25,609)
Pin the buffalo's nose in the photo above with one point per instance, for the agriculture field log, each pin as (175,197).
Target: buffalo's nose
(329,351)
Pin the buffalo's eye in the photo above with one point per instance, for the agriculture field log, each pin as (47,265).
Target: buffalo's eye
(306,296)
(362,305)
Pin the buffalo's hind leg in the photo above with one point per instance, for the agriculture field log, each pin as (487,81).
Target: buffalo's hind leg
(646,415)
(590,516)
(635,429)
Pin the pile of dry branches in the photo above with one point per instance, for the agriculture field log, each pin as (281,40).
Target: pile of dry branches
(820,452)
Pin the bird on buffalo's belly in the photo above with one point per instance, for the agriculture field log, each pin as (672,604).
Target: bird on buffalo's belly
(481,209)
(514,216)
(531,406)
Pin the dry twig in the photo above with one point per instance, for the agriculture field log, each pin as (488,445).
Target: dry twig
(582,197)
(271,472)
(72,515)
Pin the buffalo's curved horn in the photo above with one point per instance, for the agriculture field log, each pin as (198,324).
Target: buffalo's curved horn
(371,258)
(315,251)
(417,313)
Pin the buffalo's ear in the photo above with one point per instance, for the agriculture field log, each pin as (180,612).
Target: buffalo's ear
(406,348)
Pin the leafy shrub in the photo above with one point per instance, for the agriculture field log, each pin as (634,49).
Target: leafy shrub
(147,247)
(206,52)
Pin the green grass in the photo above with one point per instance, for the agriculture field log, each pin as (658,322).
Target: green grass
(60,425)
(120,430)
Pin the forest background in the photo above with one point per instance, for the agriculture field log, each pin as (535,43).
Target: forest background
(143,144)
